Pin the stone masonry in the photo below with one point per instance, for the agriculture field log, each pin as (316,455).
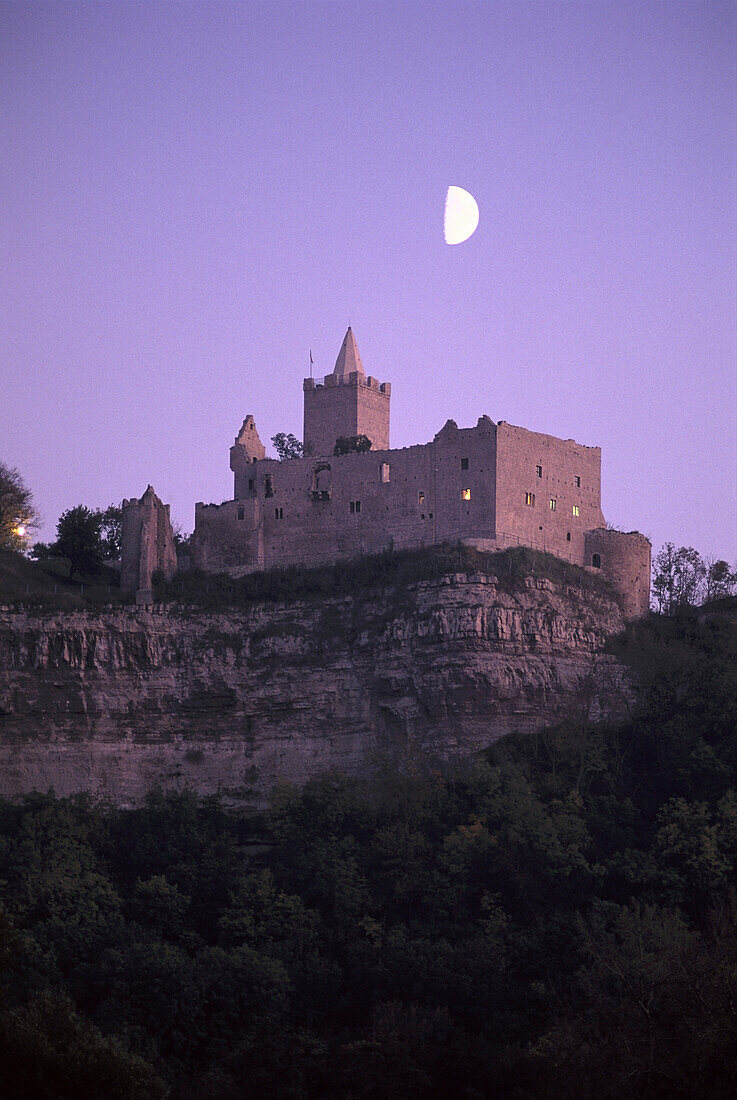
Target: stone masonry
(148,545)
(492,486)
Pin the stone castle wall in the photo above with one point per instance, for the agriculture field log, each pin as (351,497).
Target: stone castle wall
(534,470)
(312,511)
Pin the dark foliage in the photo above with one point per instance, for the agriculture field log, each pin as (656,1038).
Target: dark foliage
(558,918)
(352,444)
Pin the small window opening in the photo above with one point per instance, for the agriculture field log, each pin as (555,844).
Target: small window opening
(464,463)
(420,498)
(568,537)
(530,500)
(596,561)
(575,510)
(268,486)
(539,470)
(241,513)
(251,483)
(422,515)
(278,513)
(354,506)
(577,479)
(553,504)
(465,494)
(384,472)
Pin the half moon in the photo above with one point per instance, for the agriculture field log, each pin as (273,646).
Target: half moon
(461,215)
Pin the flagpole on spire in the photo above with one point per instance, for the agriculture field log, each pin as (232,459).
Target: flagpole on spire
(310,362)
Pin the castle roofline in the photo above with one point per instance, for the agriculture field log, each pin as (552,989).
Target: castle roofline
(349,359)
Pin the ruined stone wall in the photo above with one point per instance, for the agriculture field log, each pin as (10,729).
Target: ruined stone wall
(147,544)
(345,407)
(316,510)
(561,463)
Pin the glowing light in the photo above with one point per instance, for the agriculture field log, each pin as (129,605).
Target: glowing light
(20,530)
(465,494)
(461,215)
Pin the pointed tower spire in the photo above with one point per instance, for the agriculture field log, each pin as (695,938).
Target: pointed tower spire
(349,360)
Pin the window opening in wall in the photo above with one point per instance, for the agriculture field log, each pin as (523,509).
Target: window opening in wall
(268,486)
(251,483)
(420,498)
(354,506)
(575,510)
(278,513)
(568,537)
(384,472)
(422,515)
(530,499)
(596,561)
(577,479)
(241,513)
(465,494)
(430,515)
(464,463)
(539,471)
(553,504)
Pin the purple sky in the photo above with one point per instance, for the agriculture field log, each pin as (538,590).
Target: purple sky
(194,195)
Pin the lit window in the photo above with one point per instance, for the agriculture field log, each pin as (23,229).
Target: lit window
(578,482)
(576,510)
(465,494)
(421,498)
(384,472)
(464,463)
(553,504)
(530,499)
(539,471)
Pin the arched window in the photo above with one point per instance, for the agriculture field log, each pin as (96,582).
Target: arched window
(596,561)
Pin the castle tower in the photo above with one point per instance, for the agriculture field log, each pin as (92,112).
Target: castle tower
(347,403)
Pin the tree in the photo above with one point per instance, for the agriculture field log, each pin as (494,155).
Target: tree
(677,577)
(111,528)
(352,444)
(720,580)
(287,446)
(18,514)
(79,532)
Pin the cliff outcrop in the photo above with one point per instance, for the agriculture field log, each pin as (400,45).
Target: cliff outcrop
(117,701)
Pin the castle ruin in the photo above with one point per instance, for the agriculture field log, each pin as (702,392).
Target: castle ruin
(492,486)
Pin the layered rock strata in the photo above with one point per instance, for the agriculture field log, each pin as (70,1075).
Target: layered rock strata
(118,701)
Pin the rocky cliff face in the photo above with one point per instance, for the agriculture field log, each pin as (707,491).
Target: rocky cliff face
(115,702)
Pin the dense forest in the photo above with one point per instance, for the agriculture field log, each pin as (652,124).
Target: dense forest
(558,918)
